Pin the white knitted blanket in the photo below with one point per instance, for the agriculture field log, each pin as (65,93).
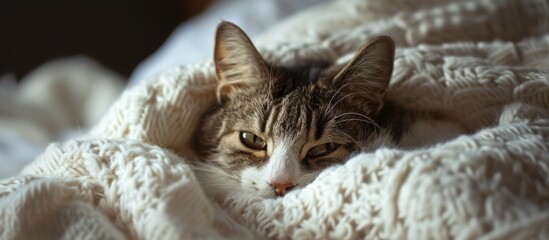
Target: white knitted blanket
(484,62)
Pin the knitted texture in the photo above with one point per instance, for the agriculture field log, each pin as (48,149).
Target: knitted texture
(482,61)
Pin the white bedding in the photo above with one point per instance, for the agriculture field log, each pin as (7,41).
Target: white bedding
(59,100)
(486,64)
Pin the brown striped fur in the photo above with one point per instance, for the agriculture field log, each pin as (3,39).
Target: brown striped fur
(298,107)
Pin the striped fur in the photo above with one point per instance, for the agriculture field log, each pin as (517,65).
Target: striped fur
(293,109)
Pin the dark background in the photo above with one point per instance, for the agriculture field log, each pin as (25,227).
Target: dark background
(117,33)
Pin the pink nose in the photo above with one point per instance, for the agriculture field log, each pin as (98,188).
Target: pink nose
(282,188)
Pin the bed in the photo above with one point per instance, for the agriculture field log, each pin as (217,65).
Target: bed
(485,61)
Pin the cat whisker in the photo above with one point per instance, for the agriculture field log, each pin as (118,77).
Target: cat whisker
(330,138)
(349,136)
(341,99)
(216,181)
(356,119)
(352,113)
(333,106)
(369,120)
(204,167)
(335,94)
(331,99)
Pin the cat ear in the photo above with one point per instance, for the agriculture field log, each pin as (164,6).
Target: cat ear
(237,61)
(369,72)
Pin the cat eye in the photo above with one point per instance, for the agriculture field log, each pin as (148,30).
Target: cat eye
(322,150)
(252,141)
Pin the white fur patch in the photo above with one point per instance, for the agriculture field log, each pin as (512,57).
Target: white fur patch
(283,165)
(253,180)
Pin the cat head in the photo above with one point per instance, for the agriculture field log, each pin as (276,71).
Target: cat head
(275,128)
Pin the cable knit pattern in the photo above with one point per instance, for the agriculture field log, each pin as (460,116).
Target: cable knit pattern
(484,61)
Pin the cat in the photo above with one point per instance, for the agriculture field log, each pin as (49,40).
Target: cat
(275,128)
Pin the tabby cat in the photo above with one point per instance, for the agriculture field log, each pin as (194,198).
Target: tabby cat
(275,128)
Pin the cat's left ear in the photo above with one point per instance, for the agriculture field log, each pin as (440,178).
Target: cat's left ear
(238,64)
(368,74)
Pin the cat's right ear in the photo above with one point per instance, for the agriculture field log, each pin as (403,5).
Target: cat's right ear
(238,64)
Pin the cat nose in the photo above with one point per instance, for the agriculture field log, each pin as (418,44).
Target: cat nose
(282,188)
